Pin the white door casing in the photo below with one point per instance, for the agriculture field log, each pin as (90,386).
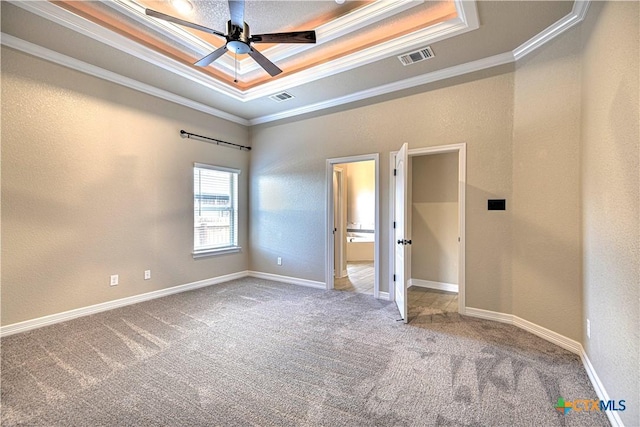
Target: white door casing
(461,149)
(329,239)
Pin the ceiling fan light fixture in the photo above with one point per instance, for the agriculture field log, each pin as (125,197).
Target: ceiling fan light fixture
(238,38)
(183,7)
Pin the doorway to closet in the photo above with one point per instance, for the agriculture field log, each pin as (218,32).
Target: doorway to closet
(428,217)
(353,224)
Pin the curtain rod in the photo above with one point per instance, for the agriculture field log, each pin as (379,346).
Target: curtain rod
(186,134)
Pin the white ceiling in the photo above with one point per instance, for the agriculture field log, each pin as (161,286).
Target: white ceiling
(355,58)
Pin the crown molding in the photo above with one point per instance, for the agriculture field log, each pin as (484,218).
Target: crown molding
(466,10)
(578,12)
(467,20)
(66,61)
(174,32)
(353,21)
(348,24)
(577,15)
(397,46)
(103,35)
(457,70)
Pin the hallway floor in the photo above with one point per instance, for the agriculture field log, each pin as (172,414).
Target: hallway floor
(360,278)
(424,303)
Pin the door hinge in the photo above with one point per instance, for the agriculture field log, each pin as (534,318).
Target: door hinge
(394,277)
(394,224)
(395,171)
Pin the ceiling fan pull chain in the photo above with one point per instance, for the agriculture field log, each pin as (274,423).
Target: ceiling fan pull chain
(235,61)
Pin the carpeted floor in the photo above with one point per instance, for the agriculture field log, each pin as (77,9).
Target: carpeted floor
(254,352)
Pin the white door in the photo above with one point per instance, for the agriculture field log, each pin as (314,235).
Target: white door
(400,237)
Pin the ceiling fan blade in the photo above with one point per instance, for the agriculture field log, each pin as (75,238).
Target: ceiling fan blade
(211,57)
(268,66)
(236,7)
(293,37)
(179,21)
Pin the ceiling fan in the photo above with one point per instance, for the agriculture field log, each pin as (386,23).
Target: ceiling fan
(239,39)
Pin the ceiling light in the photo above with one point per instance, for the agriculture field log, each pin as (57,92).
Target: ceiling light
(340,1)
(182,6)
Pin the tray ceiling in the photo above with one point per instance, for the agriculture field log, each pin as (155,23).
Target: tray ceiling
(355,57)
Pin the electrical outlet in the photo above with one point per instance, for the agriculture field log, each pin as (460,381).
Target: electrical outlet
(588,328)
(147,274)
(279,260)
(114,280)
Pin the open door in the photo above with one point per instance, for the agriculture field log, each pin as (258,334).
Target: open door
(400,227)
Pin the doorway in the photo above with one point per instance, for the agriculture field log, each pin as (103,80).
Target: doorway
(352,238)
(434,212)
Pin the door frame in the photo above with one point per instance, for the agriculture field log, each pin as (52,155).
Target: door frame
(339,206)
(461,149)
(329,244)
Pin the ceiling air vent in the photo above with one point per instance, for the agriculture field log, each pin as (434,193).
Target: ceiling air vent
(282,96)
(417,56)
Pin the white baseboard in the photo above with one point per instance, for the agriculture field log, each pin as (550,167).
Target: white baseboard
(28,325)
(383,296)
(288,279)
(489,315)
(555,338)
(51,319)
(614,417)
(441,286)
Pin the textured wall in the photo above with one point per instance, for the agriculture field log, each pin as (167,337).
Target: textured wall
(97,181)
(434,219)
(288,177)
(610,198)
(547,282)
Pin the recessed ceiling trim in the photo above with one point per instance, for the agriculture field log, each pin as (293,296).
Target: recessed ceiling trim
(362,57)
(92,30)
(92,70)
(173,32)
(347,24)
(576,16)
(83,26)
(353,21)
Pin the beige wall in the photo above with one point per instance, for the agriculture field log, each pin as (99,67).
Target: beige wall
(97,181)
(576,192)
(434,218)
(288,177)
(545,207)
(611,198)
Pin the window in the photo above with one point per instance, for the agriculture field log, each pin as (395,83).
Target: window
(215,210)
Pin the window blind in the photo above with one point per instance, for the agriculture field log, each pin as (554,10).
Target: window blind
(215,208)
